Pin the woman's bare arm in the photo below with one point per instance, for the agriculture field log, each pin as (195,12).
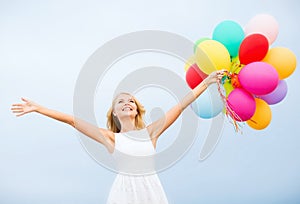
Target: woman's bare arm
(101,135)
(156,128)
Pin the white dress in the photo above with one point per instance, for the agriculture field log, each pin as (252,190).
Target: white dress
(135,184)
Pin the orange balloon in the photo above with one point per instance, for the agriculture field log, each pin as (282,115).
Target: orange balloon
(235,81)
(283,60)
(262,115)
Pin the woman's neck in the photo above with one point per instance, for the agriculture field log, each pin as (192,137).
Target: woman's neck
(127,125)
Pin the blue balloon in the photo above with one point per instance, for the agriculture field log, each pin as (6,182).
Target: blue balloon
(209,104)
(230,34)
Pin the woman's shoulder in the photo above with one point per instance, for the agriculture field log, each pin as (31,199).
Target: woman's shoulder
(108,134)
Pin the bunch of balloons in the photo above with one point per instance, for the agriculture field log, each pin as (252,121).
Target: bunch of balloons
(256,71)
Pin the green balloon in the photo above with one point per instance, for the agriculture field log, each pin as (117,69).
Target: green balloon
(230,34)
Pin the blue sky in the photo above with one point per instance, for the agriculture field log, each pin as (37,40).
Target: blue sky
(43,46)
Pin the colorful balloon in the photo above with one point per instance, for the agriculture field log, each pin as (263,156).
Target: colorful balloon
(190,62)
(283,60)
(258,78)
(212,55)
(194,76)
(253,48)
(242,104)
(277,95)
(264,24)
(199,41)
(209,104)
(230,34)
(262,116)
(254,70)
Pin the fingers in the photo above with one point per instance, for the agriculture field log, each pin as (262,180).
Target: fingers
(18,115)
(19,105)
(24,99)
(219,74)
(16,105)
(222,71)
(16,108)
(18,111)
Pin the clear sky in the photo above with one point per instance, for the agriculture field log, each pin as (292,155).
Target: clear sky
(43,47)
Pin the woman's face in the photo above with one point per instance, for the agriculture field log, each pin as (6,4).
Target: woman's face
(125,106)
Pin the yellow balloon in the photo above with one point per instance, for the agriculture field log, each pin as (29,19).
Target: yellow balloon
(190,62)
(262,116)
(212,55)
(283,60)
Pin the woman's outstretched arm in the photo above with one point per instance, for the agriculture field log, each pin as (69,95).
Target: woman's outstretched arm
(156,128)
(28,106)
(101,135)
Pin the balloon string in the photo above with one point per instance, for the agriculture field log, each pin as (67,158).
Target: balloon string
(230,114)
(235,65)
(253,121)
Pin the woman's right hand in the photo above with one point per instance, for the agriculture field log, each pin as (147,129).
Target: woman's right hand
(28,106)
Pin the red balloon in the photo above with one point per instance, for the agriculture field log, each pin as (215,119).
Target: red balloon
(194,76)
(253,48)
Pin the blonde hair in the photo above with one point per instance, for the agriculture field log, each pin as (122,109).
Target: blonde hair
(113,122)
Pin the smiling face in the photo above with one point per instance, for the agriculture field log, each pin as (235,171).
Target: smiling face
(125,109)
(125,106)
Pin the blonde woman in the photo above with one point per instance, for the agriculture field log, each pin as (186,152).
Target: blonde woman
(126,115)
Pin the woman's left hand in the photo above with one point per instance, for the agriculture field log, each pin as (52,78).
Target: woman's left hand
(215,76)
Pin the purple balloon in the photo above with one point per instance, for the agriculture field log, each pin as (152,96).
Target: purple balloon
(277,95)
(259,78)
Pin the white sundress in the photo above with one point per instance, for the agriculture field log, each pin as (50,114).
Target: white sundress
(132,185)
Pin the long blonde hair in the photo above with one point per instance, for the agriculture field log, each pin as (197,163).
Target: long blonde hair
(113,122)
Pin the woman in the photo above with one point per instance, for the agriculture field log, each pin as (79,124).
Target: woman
(126,116)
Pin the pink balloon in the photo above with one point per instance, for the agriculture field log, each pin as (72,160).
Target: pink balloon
(242,103)
(264,24)
(277,95)
(258,78)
